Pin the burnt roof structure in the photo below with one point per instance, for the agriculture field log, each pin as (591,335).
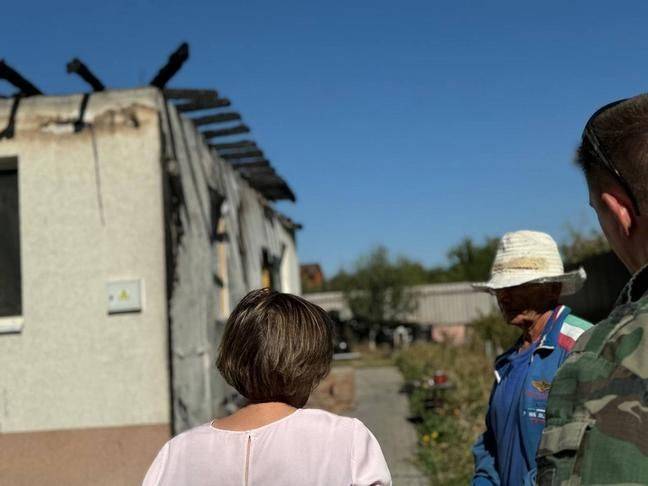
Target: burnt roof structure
(219,124)
(25,87)
(205,107)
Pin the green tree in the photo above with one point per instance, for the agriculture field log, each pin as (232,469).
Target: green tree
(340,281)
(377,290)
(412,272)
(467,261)
(470,261)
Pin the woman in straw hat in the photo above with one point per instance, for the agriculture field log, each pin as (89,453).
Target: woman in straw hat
(528,279)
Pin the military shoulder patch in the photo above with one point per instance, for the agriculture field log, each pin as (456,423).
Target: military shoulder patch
(541,385)
(571,330)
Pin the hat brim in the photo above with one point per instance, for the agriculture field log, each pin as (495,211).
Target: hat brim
(571,282)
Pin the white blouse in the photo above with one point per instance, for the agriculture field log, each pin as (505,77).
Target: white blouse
(308,447)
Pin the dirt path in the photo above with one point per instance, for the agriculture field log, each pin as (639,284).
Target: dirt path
(384,410)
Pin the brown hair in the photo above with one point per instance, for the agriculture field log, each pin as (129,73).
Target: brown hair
(276,347)
(622,133)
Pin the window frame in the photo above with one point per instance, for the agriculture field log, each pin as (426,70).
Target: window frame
(12,324)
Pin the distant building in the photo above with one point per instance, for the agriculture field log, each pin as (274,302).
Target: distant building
(312,277)
(444,309)
(447,309)
(126,239)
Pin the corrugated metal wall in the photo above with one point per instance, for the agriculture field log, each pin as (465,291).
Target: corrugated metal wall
(449,304)
(440,304)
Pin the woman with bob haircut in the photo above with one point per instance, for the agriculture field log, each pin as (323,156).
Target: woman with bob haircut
(275,350)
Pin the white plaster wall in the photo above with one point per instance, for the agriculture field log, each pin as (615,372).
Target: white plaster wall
(73,365)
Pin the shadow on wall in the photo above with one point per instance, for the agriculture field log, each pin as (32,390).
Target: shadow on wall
(606,276)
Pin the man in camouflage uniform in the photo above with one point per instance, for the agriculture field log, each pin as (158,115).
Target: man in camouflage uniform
(597,414)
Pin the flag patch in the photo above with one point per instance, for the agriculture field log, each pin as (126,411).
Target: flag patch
(571,330)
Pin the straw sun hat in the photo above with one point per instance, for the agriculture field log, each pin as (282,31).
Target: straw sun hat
(530,257)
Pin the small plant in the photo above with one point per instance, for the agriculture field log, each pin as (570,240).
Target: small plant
(447,431)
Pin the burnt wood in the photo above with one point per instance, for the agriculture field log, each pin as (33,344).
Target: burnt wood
(14,77)
(10,129)
(203,104)
(242,155)
(260,174)
(225,132)
(76,66)
(243,144)
(173,65)
(191,94)
(217,118)
(249,163)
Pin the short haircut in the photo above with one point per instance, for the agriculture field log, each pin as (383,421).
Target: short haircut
(622,133)
(276,348)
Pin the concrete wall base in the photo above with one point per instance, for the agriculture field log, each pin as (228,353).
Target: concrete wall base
(101,456)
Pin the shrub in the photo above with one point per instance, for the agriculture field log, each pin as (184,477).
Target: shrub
(447,432)
(494,329)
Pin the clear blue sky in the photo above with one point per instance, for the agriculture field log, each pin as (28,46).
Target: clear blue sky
(411,124)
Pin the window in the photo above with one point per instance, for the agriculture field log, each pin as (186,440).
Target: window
(10,271)
(269,271)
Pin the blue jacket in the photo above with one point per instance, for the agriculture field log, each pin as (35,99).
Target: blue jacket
(556,342)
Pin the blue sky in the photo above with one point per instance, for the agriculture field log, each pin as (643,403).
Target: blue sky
(410,124)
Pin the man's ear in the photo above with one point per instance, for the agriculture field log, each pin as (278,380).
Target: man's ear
(620,209)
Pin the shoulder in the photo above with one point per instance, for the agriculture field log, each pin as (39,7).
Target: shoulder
(368,461)
(627,341)
(343,433)
(189,438)
(571,330)
(352,428)
(626,324)
(174,452)
(322,418)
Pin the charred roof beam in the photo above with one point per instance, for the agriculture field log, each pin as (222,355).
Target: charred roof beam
(242,144)
(268,183)
(217,118)
(226,132)
(191,94)
(237,164)
(15,78)
(276,191)
(173,65)
(203,104)
(259,176)
(236,156)
(76,66)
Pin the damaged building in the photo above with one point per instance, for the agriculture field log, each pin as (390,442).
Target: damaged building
(132,221)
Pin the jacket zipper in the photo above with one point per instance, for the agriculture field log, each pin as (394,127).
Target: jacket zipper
(247,459)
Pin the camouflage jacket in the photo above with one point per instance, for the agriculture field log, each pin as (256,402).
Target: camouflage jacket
(597,414)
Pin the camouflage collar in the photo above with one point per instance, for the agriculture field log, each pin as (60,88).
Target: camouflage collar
(636,287)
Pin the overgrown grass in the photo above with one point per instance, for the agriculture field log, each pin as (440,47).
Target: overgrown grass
(447,432)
